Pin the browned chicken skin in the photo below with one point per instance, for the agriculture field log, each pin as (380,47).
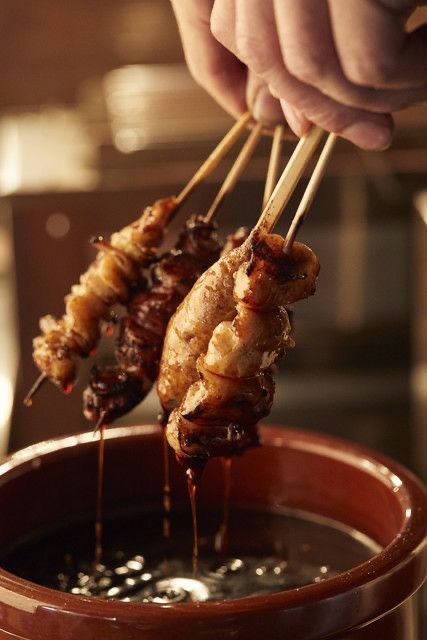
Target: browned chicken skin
(116,271)
(216,372)
(115,390)
(209,302)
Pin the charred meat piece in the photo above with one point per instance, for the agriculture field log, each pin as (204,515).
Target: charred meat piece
(111,278)
(230,386)
(142,331)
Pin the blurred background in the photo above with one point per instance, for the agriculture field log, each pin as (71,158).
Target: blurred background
(99,117)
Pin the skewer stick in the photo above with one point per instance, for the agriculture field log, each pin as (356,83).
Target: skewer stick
(310,192)
(236,170)
(215,157)
(289,180)
(273,165)
(28,400)
(99,424)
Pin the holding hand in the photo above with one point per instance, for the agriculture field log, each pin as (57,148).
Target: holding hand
(344,65)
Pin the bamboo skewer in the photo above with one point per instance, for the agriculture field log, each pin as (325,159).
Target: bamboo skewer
(310,192)
(273,165)
(289,180)
(236,170)
(215,157)
(28,400)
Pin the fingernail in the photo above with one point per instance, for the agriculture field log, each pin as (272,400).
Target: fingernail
(369,135)
(296,121)
(266,109)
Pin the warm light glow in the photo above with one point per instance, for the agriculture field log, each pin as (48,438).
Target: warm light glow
(46,150)
(58,225)
(421,204)
(10,157)
(6,402)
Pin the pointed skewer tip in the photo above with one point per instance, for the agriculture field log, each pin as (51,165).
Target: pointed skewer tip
(28,400)
(99,424)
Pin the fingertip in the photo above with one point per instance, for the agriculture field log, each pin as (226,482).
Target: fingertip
(265,108)
(296,120)
(369,135)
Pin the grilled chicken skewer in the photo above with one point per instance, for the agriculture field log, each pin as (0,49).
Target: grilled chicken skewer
(216,378)
(115,390)
(226,383)
(117,270)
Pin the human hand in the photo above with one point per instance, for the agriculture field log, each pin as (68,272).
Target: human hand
(344,66)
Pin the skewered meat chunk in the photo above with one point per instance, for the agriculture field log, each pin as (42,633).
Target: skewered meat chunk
(209,302)
(233,387)
(112,392)
(111,278)
(115,391)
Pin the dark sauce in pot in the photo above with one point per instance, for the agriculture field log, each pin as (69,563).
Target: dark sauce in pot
(266,553)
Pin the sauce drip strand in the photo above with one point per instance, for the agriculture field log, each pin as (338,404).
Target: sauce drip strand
(222,537)
(99,492)
(166,525)
(192,481)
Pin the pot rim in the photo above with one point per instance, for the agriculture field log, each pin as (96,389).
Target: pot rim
(408,543)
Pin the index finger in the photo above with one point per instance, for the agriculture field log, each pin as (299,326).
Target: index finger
(212,65)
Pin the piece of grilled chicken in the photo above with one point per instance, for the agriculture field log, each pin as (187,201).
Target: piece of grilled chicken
(216,371)
(115,389)
(117,270)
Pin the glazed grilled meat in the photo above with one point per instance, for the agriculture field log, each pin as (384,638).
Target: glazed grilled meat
(229,382)
(115,390)
(115,273)
(209,302)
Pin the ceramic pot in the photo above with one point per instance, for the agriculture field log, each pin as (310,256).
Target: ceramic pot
(53,481)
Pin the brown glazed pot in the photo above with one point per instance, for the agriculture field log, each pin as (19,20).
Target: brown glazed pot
(49,482)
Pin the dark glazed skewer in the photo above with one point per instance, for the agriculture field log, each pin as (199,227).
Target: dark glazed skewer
(115,389)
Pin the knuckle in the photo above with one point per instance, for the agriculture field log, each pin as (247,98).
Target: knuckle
(308,68)
(333,120)
(254,53)
(371,71)
(218,29)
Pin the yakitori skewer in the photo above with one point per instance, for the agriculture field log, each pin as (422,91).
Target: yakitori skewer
(115,389)
(218,302)
(111,278)
(216,376)
(236,327)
